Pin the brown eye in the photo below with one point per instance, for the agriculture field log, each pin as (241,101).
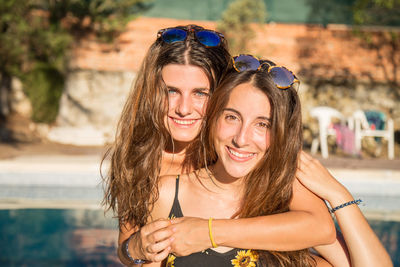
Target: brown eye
(230,117)
(264,125)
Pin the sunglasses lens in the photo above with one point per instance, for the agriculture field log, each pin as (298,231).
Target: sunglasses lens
(282,77)
(208,38)
(174,35)
(246,62)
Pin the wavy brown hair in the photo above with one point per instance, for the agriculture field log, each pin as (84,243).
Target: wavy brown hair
(268,187)
(131,185)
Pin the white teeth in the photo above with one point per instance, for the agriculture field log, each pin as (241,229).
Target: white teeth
(237,154)
(184,122)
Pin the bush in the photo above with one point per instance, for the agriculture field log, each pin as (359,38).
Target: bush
(236,20)
(43,86)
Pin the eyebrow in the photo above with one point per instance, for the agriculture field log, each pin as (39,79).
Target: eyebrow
(194,89)
(202,89)
(237,112)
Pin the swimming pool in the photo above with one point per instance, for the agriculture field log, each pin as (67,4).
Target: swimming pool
(85,237)
(57,237)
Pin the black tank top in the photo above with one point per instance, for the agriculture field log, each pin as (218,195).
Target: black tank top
(209,257)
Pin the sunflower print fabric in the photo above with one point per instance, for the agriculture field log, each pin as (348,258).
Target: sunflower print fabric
(245,258)
(170,261)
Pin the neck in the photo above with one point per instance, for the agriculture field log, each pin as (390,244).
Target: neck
(176,147)
(172,163)
(223,181)
(173,157)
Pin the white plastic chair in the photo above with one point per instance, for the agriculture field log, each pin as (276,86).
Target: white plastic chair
(362,128)
(324,115)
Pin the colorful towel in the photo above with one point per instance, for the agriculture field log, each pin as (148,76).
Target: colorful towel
(376,120)
(345,139)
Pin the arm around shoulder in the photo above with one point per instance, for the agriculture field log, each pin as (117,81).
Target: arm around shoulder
(307,224)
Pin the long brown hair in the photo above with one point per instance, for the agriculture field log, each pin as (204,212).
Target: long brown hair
(131,186)
(268,187)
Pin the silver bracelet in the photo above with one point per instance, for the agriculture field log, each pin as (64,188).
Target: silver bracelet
(134,261)
(357,202)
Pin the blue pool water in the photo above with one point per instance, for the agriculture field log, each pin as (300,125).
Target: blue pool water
(56,237)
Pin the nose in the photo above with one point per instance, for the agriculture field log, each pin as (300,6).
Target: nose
(241,137)
(185,106)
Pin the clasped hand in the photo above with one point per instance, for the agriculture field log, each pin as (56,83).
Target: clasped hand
(180,236)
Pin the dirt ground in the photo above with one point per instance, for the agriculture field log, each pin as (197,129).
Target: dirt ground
(18,139)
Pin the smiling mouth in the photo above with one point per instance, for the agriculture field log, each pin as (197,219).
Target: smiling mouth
(183,122)
(240,156)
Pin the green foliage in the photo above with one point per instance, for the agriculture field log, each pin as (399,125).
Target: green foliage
(13,29)
(35,37)
(104,18)
(236,20)
(43,86)
(331,11)
(377,12)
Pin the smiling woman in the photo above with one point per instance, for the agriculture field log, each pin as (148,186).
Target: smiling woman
(242,132)
(161,118)
(188,92)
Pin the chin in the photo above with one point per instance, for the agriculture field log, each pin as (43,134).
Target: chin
(238,172)
(184,139)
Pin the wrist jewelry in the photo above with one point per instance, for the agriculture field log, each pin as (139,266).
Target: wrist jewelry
(134,261)
(357,202)
(214,245)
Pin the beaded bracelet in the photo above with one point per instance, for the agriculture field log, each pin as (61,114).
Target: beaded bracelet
(357,202)
(134,261)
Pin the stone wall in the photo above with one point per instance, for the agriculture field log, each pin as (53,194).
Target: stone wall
(90,106)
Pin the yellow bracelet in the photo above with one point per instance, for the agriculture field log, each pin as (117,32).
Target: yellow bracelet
(214,245)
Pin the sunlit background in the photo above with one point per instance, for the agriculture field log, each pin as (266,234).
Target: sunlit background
(66,67)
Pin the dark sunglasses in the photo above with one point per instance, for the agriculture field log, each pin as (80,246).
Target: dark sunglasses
(206,37)
(281,76)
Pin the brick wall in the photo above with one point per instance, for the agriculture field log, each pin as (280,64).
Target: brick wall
(306,49)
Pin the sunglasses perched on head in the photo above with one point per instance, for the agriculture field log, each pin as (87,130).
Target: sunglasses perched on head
(206,37)
(281,76)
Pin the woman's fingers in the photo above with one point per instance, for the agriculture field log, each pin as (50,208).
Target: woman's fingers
(162,255)
(306,160)
(313,175)
(306,155)
(159,246)
(155,240)
(159,235)
(154,226)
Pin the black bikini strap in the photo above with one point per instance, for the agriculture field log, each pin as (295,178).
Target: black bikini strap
(176,187)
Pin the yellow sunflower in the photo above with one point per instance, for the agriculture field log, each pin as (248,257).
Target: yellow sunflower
(245,258)
(170,261)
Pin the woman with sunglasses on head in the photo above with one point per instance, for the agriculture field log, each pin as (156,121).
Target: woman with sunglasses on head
(161,120)
(162,115)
